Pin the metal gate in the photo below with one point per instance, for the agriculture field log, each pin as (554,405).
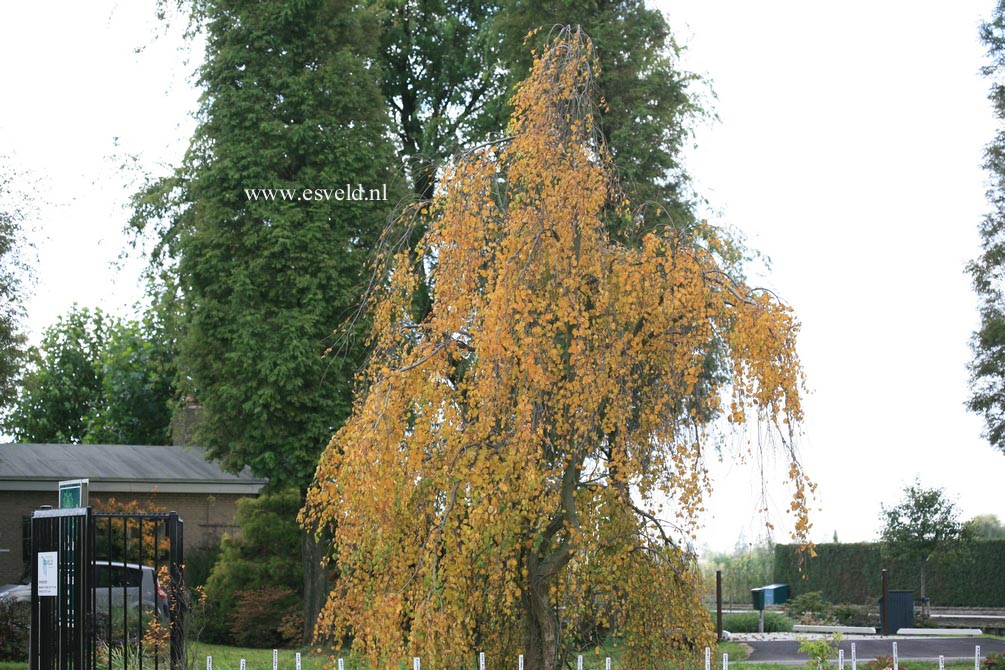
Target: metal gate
(61,595)
(114,597)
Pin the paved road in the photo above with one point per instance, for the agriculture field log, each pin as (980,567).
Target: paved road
(907,648)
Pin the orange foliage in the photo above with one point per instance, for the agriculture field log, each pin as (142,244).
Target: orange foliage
(127,537)
(497,485)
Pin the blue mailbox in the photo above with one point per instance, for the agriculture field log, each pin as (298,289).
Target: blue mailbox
(772,594)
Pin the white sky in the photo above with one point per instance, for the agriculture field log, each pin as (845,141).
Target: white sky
(848,151)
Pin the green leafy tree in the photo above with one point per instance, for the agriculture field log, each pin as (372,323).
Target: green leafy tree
(925,523)
(986,526)
(95,379)
(987,367)
(748,566)
(291,100)
(13,272)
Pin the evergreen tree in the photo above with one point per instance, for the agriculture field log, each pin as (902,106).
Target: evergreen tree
(291,101)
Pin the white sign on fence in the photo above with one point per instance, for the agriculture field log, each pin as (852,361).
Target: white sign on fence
(48,573)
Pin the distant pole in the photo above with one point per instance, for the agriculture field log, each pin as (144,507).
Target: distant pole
(886,605)
(718,605)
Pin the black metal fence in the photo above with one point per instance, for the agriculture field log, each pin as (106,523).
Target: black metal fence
(61,595)
(115,596)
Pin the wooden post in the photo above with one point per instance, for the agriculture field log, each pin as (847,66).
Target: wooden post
(718,605)
(885,618)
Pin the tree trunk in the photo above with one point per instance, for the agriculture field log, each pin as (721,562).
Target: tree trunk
(542,637)
(924,599)
(316,585)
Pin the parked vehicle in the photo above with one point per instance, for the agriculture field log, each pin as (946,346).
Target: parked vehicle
(115,582)
(122,584)
(19,593)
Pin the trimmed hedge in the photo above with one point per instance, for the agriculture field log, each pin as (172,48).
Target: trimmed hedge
(852,573)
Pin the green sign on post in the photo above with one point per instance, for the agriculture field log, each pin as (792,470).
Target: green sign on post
(73,493)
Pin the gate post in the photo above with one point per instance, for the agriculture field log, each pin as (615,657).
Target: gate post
(61,599)
(179,596)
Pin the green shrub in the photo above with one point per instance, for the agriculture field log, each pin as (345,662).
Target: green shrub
(266,554)
(811,603)
(820,651)
(995,661)
(855,615)
(14,621)
(746,622)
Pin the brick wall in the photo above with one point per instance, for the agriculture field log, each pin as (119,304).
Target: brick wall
(207,517)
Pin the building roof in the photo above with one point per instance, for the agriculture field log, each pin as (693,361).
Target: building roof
(119,468)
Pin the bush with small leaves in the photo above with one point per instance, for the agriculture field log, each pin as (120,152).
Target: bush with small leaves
(994,661)
(14,621)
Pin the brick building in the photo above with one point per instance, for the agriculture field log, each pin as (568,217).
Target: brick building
(170,478)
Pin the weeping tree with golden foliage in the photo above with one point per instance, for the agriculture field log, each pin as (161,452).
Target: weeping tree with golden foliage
(498,487)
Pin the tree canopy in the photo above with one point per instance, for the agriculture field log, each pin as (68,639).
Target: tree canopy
(924,523)
(986,526)
(524,451)
(12,274)
(290,102)
(987,367)
(96,379)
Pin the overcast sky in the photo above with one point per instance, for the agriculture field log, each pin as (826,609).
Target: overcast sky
(847,150)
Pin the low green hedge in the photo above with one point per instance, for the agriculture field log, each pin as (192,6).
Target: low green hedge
(746,622)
